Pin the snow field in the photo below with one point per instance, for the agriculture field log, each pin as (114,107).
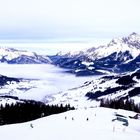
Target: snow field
(62,126)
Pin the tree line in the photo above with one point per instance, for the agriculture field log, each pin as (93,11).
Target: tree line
(28,110)
(127,104)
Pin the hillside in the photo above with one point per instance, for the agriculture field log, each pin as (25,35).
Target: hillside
(125,86)
(82,124)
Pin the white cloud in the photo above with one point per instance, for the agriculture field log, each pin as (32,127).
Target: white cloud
(64,18)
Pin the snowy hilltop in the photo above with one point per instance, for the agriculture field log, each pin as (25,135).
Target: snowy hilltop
(14,56)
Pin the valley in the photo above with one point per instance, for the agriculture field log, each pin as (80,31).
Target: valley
(86,81)
(80,78)
(35,81)
(69,70)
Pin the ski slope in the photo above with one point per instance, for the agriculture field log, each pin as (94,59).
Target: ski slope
(73,125)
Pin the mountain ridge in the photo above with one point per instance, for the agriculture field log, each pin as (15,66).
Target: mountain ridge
(14,56)
(114,57)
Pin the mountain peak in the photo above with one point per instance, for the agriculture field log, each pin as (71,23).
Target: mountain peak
(130,43)
(132,40)
(134,34)
(133,37)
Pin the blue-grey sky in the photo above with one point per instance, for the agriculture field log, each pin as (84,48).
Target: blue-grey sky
(68,19)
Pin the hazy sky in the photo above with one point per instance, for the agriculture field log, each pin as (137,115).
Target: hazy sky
(68,19)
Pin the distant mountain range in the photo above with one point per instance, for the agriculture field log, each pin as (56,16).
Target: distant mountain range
(119,56)
(13,56)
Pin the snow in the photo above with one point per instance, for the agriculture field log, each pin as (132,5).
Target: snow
(116,45)
(87,63)
(91,68)
(62,127)
(4,101)
(103,71)
(77,96)
(10,54)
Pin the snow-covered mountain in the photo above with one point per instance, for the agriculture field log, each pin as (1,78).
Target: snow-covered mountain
(125,86)
(13,56)
(120,55)
(129,44)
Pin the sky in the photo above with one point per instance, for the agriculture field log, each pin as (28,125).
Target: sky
(68,20)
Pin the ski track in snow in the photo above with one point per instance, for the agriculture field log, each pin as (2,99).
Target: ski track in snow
(99,126)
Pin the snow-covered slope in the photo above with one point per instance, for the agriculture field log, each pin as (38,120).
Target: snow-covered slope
(13,56)
(95,123)
(118,56)
(123,87)
(130,43)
